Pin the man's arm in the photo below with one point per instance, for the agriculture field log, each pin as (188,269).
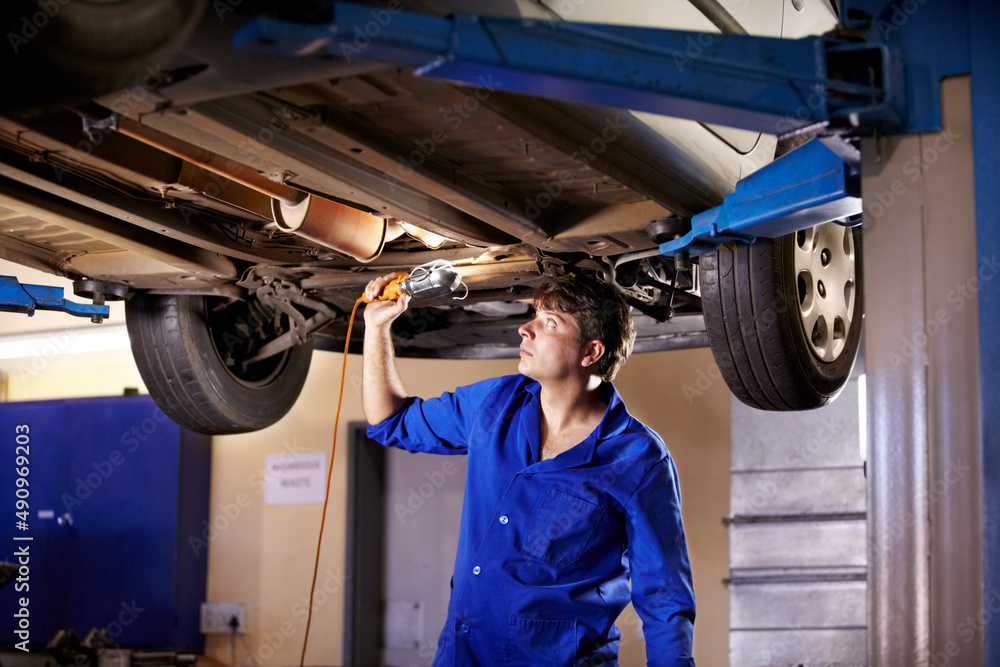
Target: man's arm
(382,390)
(662,591)
(439,425)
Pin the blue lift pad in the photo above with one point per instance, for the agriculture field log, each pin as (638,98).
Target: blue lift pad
(808,186)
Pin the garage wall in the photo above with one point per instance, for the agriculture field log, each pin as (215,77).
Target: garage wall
(681,396)
(798,555)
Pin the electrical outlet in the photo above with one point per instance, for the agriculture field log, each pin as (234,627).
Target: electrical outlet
(216,618)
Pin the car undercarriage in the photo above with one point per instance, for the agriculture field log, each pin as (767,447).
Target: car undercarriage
(251,196)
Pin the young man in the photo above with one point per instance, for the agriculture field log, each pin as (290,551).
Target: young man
(567,496)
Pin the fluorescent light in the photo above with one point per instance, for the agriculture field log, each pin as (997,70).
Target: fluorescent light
(863,416)
(48,344)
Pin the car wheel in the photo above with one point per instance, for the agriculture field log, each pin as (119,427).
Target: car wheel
(190,352)
(65,51)
(784,316)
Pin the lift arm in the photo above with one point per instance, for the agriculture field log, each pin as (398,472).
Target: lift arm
(808,186)
(838,83)
(849,83)
(16,297)
(755,83)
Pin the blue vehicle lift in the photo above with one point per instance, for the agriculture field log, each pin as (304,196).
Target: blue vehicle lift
(16,297)
(806,187)
(839,85)
(879,74)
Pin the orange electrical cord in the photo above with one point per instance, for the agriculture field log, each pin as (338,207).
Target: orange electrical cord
(391,291)
(329,476)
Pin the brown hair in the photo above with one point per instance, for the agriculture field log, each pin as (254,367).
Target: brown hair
(600,313)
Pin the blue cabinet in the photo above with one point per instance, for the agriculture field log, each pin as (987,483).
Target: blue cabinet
(118,505)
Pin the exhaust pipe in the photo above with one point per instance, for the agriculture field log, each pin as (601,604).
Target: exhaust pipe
(349,230)
(345,229)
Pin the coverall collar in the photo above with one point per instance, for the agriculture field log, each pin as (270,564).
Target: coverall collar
(616,418)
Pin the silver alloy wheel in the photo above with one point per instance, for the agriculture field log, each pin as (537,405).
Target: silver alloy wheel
(826,286)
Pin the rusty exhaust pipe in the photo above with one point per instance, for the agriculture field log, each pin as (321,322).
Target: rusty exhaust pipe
(345,229)
(349,230)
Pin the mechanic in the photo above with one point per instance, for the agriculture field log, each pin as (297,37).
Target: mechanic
(566,496)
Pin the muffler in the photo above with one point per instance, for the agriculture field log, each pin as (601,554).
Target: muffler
(343,228)
(349,230)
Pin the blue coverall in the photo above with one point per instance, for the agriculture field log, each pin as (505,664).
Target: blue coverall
(546,548)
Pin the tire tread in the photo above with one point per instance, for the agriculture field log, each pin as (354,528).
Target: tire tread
(752,321)
(189,383)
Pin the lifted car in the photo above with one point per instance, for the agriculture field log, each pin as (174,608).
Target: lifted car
(241,200)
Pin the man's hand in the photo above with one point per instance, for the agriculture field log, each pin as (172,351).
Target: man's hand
(381,314)
(382,389)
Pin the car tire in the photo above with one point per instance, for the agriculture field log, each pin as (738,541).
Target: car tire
(180,343)
(68,51)
(782,336)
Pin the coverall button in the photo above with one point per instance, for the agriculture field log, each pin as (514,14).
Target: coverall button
(504,519)
(477,570)
(464,628)
(528,475)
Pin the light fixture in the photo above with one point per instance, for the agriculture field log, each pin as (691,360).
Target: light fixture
(863,416)
(49,344)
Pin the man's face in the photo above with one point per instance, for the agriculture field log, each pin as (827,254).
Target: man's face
(550,347)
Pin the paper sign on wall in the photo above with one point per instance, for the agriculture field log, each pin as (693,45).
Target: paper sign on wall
(295,479)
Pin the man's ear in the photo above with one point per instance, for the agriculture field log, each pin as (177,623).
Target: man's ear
(592,352)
